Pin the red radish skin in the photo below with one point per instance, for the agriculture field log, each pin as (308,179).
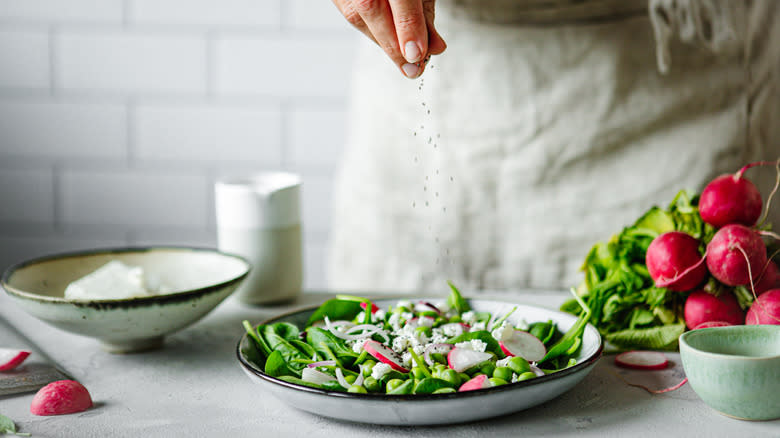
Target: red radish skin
(702,307)
(10,359)
(709,324)
(734,254)
(674,262)
(60,398)
(642,360)
(770,279)
(374,308)
(461,359)
(730,199)
(384,355)
(525,345)
(477,382)
(765,309)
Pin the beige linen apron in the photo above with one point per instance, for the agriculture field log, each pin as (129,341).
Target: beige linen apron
(546,126)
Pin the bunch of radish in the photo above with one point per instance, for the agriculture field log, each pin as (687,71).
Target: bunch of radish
(736,256)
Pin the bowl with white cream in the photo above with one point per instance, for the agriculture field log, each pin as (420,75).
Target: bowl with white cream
(127,298)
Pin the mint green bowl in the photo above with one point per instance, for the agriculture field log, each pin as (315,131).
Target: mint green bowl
(735,369)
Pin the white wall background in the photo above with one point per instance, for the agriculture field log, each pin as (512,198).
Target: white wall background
(117,116)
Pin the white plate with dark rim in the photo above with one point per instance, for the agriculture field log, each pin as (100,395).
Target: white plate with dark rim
(408,410)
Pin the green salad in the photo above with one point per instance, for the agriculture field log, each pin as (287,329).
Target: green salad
(351,345)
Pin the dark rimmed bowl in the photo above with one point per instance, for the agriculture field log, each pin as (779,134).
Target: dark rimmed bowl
(407,410)
(199,279)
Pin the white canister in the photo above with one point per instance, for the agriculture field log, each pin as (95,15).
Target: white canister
(259,218)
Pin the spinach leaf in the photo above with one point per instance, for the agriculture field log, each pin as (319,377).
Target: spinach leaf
(335,309)
(285,330)
(456,301)
(305,348)
(484,336)
(276,366)
(430,384)
(570,337)
(406,388)
(287,351)
(654,338)
(325,343)
(7,426)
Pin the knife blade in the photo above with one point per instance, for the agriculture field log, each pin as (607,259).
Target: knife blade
(34,373)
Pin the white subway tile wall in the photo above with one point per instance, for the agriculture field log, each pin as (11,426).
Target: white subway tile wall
(117,116)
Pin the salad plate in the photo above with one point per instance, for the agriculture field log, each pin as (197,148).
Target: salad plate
(431,409)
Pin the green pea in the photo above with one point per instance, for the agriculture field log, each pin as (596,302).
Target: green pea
(350,378)
(455,318)
(504,373)
(495,381)
(464,377)
(526,376)
(393,384)
(519,365)
(451,376)
(404,388)
(440,359)
(357,389)
(368,367)
(444,391)
(372,384)
(488,368)
(418,373)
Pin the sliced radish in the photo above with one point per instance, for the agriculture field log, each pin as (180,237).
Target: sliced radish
(60,398)
(523,344)
(314,376)
(422,306)
(712,324)
(374,308)
(642,360)
(384,355)
(461,359)
(10,359)
(477,382)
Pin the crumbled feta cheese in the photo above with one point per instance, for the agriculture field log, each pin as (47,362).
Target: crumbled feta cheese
(406,360)
(514,377)
(425,321)
(400,344)
(394,321)
(357,347)
(503,332)
(404,303)
(438,336)
(453,329)
(477,327)
(379,370)
(474,344)
(468,317)
(379,315)
(407,316)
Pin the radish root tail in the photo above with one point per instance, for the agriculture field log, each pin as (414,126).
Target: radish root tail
(752,284)
(650,390)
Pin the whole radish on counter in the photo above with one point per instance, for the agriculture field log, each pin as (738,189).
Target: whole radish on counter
(705,260)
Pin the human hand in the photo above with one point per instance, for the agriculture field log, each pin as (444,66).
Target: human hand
(402,28)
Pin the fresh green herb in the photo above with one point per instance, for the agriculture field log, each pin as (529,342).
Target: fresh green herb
(7,427)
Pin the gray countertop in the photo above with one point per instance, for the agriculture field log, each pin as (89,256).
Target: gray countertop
(194,387)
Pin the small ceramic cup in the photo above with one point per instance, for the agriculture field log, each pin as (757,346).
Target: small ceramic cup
(735,369)
(258,217)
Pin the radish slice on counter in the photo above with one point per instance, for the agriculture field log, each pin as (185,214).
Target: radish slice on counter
(525,345)
(60,398)
(478,382)
(461,359)
(10,359)
(384,355)
(642,360)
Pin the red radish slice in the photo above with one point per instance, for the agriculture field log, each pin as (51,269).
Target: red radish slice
(374,308)
(642,360)
(384,355)
(477,382)
(525,345)
(60,398)
(708,324)
(422,306)
(10,359)
(461,359)
(317,377)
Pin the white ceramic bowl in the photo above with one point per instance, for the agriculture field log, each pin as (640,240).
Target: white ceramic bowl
(199,279)
(409,410)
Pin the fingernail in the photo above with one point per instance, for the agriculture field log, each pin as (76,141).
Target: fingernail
(410,70)
(412,52)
